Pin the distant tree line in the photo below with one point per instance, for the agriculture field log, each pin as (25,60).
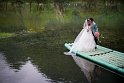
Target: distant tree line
(58,4)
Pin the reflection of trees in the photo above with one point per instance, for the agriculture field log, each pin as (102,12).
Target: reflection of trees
(14,54)
(51,62)
(46,53)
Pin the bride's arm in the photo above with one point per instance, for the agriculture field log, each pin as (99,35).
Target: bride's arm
(88,29)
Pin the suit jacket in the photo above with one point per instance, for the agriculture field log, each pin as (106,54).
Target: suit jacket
(94,27)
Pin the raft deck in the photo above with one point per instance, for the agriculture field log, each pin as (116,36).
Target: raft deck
(105,57)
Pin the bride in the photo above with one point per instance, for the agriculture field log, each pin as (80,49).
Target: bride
(85,39)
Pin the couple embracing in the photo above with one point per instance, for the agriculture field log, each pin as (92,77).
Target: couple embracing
(87,39)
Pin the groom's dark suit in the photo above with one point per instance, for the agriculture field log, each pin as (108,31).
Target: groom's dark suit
(94,29)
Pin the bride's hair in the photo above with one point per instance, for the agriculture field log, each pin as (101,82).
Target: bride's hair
(88,21)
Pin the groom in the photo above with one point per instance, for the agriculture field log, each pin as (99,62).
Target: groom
(94,29)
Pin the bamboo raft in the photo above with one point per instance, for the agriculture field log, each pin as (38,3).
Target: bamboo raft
(104,57)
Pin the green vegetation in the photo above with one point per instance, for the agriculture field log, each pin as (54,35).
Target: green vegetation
(4,35)
(39,33)
(17,20)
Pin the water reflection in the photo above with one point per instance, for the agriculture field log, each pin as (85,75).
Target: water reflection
(28,73)
(47,61)
(90,70)
(95,74)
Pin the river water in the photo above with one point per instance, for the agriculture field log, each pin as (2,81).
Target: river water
(49,65)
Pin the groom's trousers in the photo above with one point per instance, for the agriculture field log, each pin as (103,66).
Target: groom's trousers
(95,38)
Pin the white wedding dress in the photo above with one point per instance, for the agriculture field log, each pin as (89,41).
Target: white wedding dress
(84,41)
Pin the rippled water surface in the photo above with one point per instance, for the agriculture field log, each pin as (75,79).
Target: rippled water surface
(40,64)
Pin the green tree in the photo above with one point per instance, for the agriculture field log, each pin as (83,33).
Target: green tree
(59,8)
(40,1)
(30,2)
(4,4)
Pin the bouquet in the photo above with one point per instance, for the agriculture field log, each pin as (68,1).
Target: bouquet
(96,34)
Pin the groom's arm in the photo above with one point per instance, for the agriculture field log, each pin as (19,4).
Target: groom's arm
(96,28)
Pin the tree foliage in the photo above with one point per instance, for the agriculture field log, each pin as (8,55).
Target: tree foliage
(60,1)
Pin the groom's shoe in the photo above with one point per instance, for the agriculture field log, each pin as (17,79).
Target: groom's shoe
(95,47)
